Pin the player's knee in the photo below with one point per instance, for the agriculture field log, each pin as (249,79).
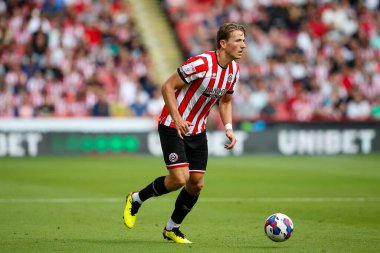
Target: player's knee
(175,182)
(180,182)
(199,186)
(195,187)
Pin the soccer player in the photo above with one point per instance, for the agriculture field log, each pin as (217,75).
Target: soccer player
(189,94)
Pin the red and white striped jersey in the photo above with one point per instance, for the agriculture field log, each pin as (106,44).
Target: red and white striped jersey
(206,82)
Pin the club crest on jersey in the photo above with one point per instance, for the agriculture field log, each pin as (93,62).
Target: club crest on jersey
(173,157)
(229,78)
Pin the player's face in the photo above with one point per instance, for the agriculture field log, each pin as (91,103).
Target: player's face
(235,44)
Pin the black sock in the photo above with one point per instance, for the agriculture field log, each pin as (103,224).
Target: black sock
(156,188)
(183,205)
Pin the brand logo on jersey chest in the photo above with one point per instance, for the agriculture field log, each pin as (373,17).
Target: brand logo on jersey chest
(214,92)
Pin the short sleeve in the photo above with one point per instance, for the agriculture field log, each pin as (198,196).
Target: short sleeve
(194,68)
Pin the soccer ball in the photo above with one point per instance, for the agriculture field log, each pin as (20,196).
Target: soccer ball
(278,227)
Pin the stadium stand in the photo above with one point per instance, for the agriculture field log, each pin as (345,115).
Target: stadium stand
(158,36)
(71,59)
(305,61)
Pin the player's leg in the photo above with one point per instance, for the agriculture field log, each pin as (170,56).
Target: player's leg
(197,153)
(186,199)
(160,186)
(176,179)
(176,162)
(183,205)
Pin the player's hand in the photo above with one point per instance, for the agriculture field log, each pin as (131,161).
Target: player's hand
(183,127)
(231,136)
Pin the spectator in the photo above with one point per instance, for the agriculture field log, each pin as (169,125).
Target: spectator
(101,107)
(118,108)
(258,98)
(375,111)
(56,50)
(269,111)
(302,107)
(46,109)
(140,105)
(155,104)
(243,106)
(358,108)
(39,43)
(25,108)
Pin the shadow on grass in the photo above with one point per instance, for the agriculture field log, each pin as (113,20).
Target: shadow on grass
(117,241)
(261,247)
(163,242)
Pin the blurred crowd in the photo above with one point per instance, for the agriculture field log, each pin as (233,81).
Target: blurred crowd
(305,60)
(73,58)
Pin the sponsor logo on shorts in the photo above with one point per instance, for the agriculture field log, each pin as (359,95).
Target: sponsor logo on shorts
(173,157)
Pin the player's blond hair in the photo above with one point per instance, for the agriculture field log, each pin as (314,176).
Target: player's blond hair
(225,30)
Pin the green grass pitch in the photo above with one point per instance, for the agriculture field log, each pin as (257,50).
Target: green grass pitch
(67,204)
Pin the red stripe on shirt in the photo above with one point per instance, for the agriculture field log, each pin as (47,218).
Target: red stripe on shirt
(205,113)
(202,99)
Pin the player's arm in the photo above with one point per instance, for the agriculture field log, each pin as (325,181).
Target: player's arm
(168,92)
(225,110)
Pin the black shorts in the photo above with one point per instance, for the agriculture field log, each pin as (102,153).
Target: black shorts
(192,151)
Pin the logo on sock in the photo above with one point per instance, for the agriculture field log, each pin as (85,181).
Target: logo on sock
(173,157)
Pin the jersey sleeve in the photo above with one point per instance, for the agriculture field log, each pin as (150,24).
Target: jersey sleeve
(194,68)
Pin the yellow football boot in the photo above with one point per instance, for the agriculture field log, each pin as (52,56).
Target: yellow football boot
(130,211)
(175,235)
